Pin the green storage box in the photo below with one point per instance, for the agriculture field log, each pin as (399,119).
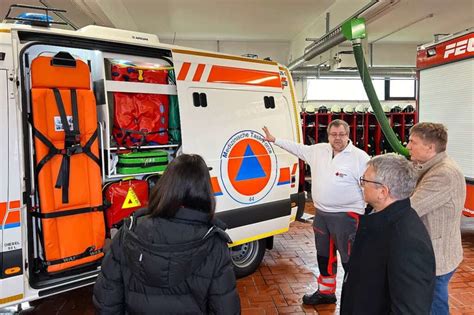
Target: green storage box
(142,162)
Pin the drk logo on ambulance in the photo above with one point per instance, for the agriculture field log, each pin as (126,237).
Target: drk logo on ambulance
(248,167)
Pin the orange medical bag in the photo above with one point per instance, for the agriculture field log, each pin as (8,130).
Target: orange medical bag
(64,122)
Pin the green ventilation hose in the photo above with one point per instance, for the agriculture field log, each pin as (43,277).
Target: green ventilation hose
(374,101)
(354,30)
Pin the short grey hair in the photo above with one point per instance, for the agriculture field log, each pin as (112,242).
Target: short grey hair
(395,172)
(339,122)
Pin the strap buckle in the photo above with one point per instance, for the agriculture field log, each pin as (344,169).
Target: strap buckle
(72,138)
(71,150)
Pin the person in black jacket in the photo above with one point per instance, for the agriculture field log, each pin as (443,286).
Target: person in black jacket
(172,258)
(392,266)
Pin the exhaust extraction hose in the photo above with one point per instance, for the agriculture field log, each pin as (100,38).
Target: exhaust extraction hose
(374,101)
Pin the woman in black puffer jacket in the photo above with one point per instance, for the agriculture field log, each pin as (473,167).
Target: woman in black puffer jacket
(172,258)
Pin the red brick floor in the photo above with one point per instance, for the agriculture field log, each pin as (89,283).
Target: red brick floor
(287,272)
(290,269)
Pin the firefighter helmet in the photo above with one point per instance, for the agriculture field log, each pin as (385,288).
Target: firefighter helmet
(348,109)
(322,109)
(408,108)
(336,109)
(360,109)
(309,109)
(396,109)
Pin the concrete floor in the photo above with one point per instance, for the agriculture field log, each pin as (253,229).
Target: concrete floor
(287,272)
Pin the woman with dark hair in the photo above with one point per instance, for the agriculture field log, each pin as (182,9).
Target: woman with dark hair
(173,257)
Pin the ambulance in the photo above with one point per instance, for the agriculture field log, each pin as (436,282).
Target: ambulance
(75,104)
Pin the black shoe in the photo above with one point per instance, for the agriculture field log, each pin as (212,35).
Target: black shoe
(319,298)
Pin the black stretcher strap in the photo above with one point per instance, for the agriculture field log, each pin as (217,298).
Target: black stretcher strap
(87,147)
(52,149)
(90,251)
(58,214)
(127,133)
(72,144)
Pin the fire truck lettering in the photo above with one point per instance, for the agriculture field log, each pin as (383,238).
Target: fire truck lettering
(470,45)
(459,48)
(449,50)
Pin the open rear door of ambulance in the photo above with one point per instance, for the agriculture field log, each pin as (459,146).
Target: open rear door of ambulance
(224,103)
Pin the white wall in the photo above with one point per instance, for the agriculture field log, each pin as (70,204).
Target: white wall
(386,54)
(277,51)
(394,55)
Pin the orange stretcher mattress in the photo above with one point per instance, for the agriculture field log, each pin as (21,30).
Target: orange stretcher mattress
(72,223)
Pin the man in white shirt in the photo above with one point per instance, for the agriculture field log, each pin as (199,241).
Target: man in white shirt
(335,169)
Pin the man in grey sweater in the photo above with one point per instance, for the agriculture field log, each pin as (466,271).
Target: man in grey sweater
(439,200)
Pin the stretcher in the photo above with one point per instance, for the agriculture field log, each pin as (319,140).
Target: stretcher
(64,124)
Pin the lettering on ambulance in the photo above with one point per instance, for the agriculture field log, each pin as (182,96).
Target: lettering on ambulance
(248,167)
(459,48)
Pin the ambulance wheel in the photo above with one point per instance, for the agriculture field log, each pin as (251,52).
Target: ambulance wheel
(247,257)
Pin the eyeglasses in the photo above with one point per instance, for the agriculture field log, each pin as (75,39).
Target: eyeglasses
(340,135)
(362,181)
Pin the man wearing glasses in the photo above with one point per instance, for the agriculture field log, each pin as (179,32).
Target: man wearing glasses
(335,169)
(392,266)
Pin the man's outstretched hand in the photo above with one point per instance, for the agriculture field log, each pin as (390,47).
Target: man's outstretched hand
(268,136)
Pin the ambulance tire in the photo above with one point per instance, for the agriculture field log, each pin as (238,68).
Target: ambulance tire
(247,257)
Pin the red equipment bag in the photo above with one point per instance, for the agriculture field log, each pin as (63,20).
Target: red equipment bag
(124,197)
(140,118)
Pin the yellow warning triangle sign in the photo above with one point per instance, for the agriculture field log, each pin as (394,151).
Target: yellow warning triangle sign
(131,201)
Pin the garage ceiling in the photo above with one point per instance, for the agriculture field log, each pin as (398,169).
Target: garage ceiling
(260,20)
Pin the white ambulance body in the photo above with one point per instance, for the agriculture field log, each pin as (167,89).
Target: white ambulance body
(224,101)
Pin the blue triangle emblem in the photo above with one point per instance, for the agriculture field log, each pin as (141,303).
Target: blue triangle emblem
(250,167)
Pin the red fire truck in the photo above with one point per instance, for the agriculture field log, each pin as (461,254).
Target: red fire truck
(446,95)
